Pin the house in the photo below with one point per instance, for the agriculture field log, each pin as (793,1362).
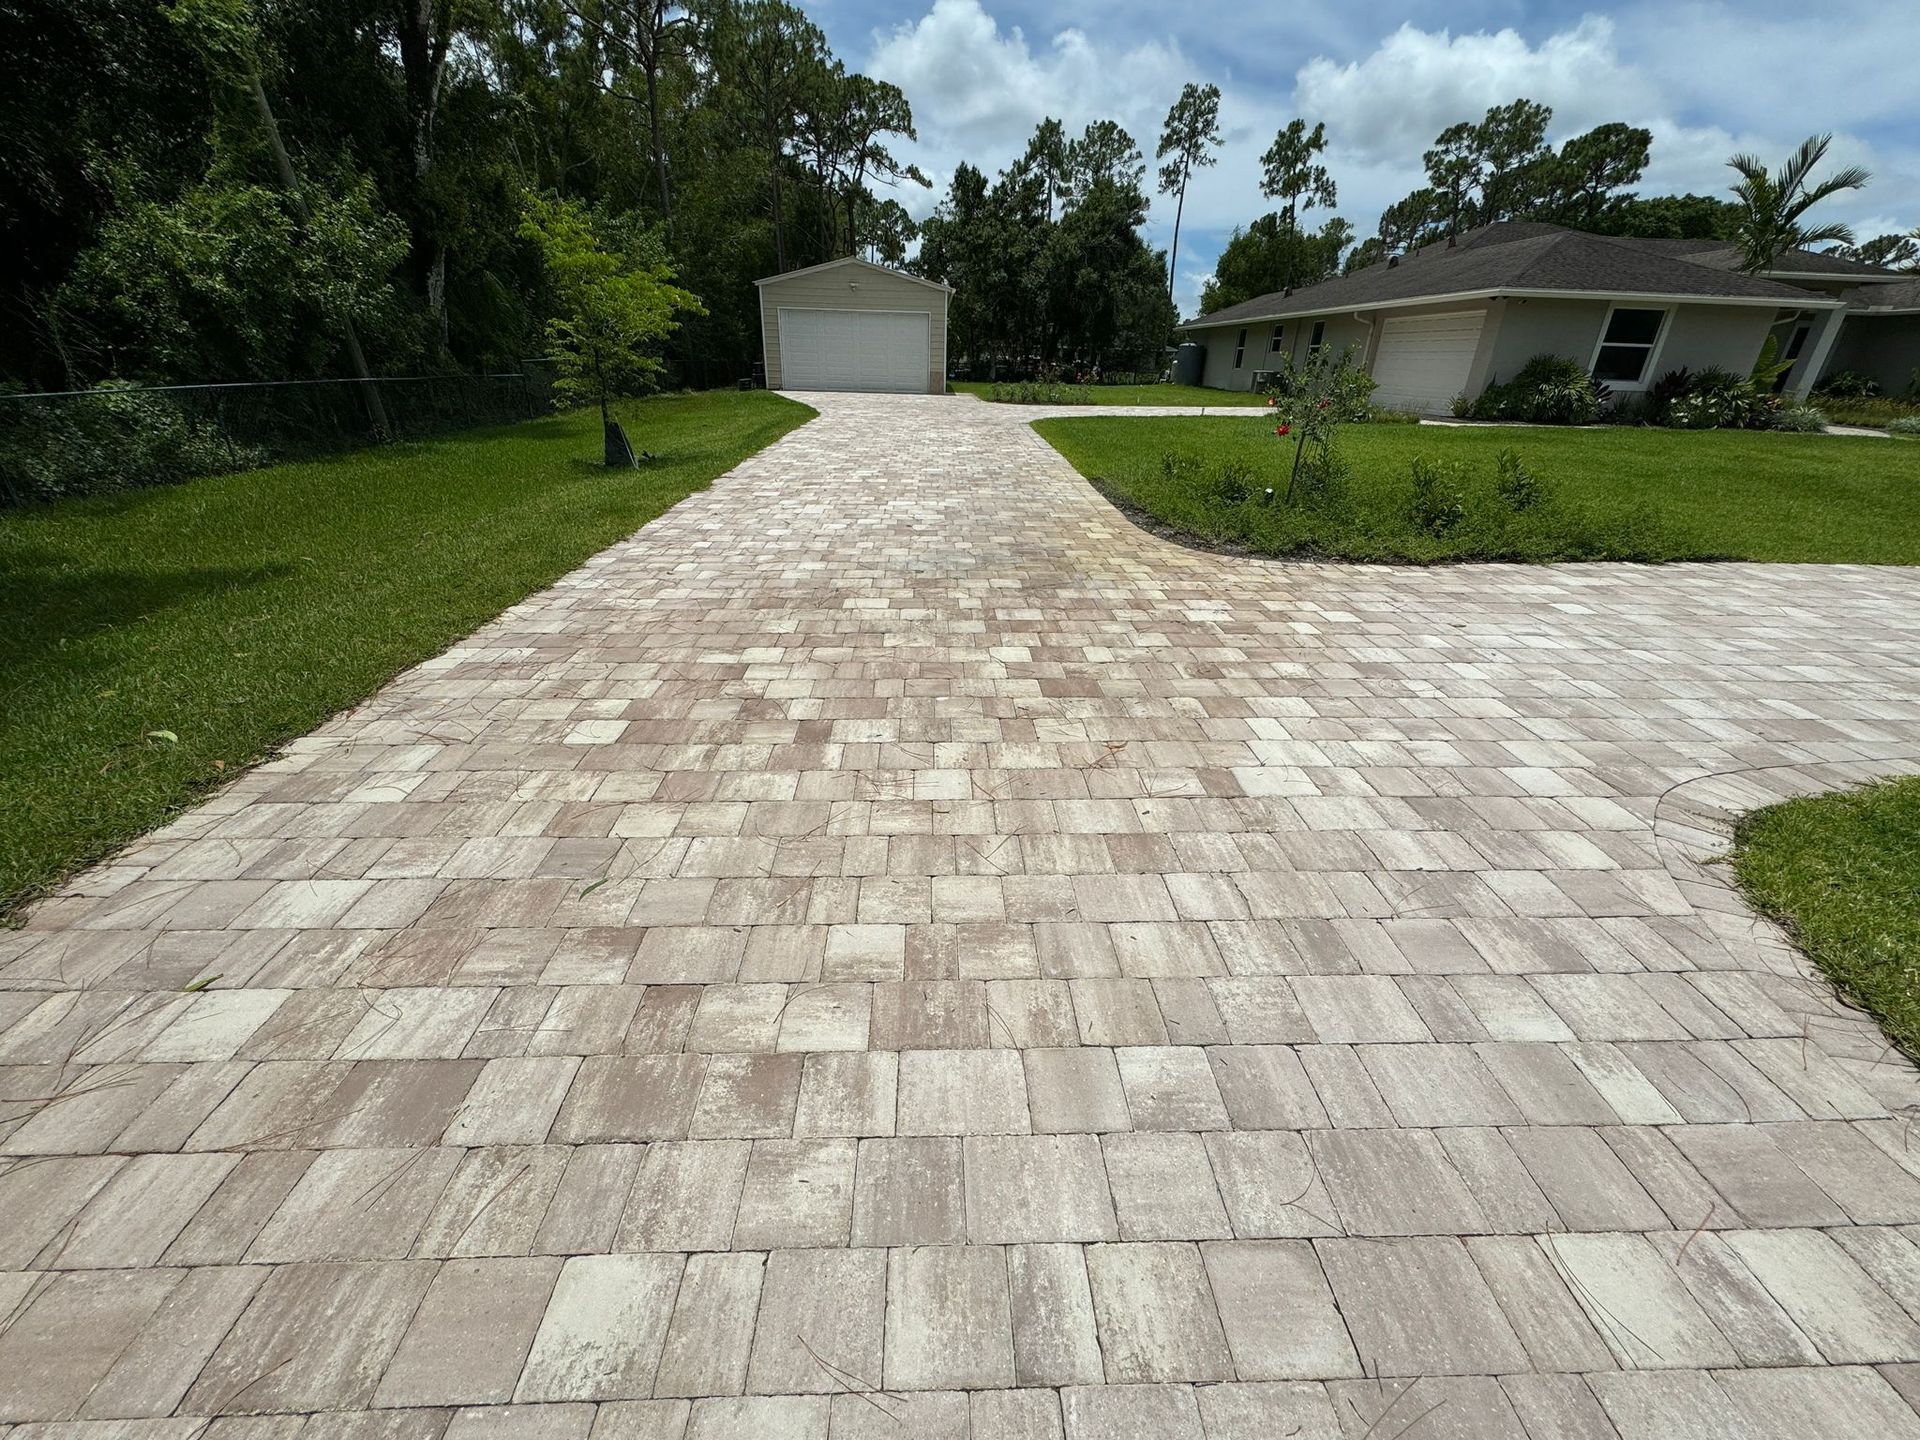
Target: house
(1881,339)
(1450,319)
(853,325)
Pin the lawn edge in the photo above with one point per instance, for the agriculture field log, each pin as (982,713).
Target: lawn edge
(195,792)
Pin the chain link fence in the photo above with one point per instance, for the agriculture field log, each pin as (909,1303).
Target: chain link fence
(120,437)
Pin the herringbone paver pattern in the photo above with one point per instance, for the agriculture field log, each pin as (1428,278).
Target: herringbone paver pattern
(893,950)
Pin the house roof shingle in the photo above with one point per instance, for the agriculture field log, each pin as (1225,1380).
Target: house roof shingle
(1519,256)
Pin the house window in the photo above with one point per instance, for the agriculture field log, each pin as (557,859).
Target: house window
(1240,351)
(1627,345)
(1274,345)
(1319,337)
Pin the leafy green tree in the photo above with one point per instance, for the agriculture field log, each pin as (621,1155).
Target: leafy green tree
(1106,152)
(1669,217)
(1293,175)
(1455,167)
(1104,288)
(228,282)
(1512,159)
(767,50)
(616,304)
(1270,255)
(1774,204)
(1893,252)
(1048,157)
(1187,142)
(1591,170)
(642,39)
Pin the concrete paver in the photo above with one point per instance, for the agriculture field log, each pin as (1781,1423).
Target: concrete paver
(892,945)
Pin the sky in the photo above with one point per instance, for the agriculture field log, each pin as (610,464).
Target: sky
(1709,78)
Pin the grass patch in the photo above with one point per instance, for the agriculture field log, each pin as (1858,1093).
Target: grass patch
(1611,494)
(1841,873)
(1875,411)
(1196,395)
(236,612)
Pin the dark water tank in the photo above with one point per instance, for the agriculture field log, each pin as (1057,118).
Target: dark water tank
(1189,363)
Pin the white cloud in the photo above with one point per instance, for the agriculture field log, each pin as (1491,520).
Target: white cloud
(1391,103)
(985,88)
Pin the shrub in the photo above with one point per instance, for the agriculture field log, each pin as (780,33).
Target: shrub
(1518,487)
(1039,392)
(1716,399)
(1461,407)
(1233,485)
(1801,420)
(1393,417)
(1905,425)
(117,437)
(1439,494)
(1549,390)
(1850,385)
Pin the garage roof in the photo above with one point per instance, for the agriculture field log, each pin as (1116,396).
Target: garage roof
(863,264)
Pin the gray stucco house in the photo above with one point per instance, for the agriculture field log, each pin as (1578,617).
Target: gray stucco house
(1451,319)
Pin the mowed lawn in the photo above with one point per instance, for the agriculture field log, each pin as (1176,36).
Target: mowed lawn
(1610,494)
(1195,395)
(1842,873)
(234,613)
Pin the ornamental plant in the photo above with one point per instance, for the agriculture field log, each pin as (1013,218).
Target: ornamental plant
(1310,402)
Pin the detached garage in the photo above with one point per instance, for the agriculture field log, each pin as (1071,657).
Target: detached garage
(853,325)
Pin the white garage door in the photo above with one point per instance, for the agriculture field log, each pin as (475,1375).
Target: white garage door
(854,350)
(1422,362)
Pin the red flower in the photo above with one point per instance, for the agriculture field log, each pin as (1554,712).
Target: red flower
(1282,429)
(1323,404)
(1270,401)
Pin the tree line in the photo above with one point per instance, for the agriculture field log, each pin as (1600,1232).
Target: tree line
(149,232)
(1047,261)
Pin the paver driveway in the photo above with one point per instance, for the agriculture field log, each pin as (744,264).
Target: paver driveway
(893,950)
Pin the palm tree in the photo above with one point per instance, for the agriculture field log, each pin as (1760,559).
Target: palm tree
(1774,206)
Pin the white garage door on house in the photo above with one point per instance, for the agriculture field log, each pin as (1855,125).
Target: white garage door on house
(1423,360)
(855,349)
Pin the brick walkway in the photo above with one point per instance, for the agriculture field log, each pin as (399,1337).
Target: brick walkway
(894,951)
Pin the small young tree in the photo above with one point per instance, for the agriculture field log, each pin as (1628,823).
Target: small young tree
(1311,401)
(616,304)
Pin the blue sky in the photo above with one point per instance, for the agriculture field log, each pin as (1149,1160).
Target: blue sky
(1707,77)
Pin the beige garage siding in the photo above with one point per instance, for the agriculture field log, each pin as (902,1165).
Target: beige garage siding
(855,286)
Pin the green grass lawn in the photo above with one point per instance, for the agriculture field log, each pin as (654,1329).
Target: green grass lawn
(1842,873)
(1134,394)
(1616,494)
(239,611)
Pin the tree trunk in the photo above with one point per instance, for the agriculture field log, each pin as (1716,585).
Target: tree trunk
(1173,255)
(659,144)
(779,221)
(291,183)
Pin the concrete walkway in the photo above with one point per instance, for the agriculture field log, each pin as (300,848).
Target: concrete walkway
(894,951)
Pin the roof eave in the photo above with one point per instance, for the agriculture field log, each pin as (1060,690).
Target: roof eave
(1778,302)
(854,260)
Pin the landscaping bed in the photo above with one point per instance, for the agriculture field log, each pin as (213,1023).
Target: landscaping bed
(1618,493)
(155,642)
(1841,873)
(1039,393)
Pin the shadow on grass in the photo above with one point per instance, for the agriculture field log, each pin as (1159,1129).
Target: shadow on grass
(50,606)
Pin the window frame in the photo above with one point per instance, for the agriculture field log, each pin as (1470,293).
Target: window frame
(1317,338)
(1275,344)
(1651,367)
(1240,349)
